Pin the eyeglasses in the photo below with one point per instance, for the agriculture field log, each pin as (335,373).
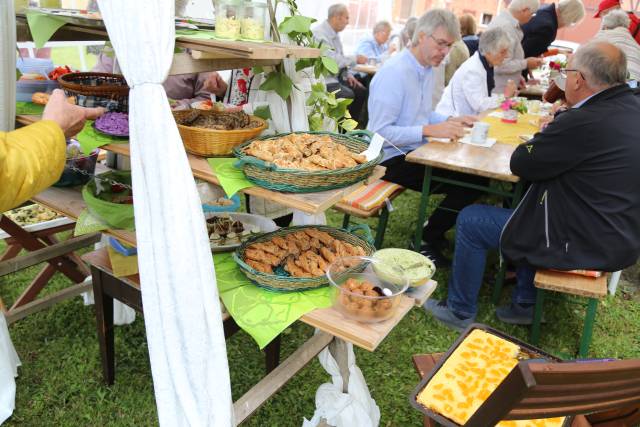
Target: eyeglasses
(442,44)
(564,71)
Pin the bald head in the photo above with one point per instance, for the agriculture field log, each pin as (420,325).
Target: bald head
(602,64)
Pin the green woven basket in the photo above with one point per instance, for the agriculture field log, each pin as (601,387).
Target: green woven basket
(117,215)
(283,282)
(270,176)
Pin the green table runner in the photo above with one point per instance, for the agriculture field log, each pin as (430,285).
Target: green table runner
(261,313)
(231,178)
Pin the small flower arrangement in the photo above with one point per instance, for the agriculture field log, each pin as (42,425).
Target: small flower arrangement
(510,109)
(557,65)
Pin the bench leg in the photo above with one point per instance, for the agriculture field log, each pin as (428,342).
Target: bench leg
(589,321)
(345,221)
(382,227)
(422,210)
(104,325)
(497,287)
(537,317)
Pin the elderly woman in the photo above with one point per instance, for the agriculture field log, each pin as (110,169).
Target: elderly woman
(615,31)
(469,91)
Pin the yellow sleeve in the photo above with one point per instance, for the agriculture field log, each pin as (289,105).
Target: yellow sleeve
(31,159)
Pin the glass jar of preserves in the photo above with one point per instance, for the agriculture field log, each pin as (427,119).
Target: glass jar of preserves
(229,14)
(254,21)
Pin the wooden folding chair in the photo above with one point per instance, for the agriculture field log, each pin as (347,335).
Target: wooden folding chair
(43,246)
(607,391)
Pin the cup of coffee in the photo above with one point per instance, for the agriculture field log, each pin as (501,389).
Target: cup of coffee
(479,133)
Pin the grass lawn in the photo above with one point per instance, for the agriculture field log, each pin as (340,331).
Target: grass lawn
(70,56)
(60,381)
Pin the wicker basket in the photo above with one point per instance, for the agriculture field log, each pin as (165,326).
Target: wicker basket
(212,142)
(96,89)
(270,176)
(282,282)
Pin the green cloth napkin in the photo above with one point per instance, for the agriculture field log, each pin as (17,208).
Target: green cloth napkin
(90,139)
(231,178)
(29,108)
(87,223)
(208,35)
(42,26)
(261,313)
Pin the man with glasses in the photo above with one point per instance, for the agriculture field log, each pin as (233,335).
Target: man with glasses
(518,13)
(401,111)
(582,210)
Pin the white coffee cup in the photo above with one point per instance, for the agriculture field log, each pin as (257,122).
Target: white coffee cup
(479,132)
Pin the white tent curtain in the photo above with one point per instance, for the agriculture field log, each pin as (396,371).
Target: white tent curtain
(179,293)
(9,360)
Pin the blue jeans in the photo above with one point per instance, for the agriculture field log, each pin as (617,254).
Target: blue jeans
(478,229)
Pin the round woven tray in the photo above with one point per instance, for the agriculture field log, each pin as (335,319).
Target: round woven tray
(285,283)
(95,84)
(214,142)
(270,176)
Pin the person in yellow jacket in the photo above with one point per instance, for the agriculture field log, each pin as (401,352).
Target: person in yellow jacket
(33,157)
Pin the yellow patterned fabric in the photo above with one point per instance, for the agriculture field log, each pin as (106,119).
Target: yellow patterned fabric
(469,376)
(508,133)
(31,159)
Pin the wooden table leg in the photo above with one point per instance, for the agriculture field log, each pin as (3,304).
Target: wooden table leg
(272,354)
(104,325)
(35,287)
(422,211)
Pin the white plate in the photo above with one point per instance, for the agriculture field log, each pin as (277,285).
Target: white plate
(265,225)
(488,143)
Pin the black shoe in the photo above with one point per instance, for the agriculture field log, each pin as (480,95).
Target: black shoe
(433,253)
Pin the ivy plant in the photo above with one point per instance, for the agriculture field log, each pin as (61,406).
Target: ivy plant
(323,104)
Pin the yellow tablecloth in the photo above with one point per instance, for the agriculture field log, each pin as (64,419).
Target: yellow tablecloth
(508,133)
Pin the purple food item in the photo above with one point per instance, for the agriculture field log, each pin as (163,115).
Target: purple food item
(116,124)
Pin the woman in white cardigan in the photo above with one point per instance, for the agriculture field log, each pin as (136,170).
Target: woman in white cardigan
(469,91)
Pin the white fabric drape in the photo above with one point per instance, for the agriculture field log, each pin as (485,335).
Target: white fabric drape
(179,293)
(9,360)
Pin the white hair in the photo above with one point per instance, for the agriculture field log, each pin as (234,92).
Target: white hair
(614,19)
(434,19)
(493,41)
(336,10)
(381,26)
(602,64)
(518,5)
(570,11)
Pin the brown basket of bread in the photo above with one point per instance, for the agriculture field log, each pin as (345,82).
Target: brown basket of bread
(212,133)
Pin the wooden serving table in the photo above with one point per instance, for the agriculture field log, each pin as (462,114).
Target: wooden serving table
(335,331)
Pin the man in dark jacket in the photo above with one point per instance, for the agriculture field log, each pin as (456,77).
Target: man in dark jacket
(541,30)
(582,210)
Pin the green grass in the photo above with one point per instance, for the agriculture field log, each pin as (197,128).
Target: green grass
(60,381)
(71,57)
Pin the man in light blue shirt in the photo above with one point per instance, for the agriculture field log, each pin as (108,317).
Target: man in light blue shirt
(376,47)
(401,110)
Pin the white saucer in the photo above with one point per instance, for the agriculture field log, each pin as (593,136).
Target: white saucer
(488,143)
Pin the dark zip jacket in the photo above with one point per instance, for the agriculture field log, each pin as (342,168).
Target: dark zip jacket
(582,210)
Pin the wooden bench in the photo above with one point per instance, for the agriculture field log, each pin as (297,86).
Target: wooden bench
(353,205)
(594,289)
(608,391)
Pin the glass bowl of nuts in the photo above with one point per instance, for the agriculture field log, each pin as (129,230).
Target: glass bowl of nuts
(363,295)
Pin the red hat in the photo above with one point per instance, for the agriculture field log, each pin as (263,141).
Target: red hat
(604,5)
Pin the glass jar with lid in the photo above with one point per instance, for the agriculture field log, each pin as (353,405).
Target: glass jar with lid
(229,15)
(254,21)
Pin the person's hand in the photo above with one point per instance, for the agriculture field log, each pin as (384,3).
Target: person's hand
(467,121)
(510,89)
(353,82)
(215,84)
(392,48)
(522,83)
(449,129)
(534,62)
(544,121)
(69,117)
(361,59)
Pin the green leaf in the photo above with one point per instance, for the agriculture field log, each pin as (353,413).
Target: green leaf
(298,24)
(301,64)
(18,74)
(330,64)
(257,70)
(264,112)
(278,82)
(348,124)
(315,122)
